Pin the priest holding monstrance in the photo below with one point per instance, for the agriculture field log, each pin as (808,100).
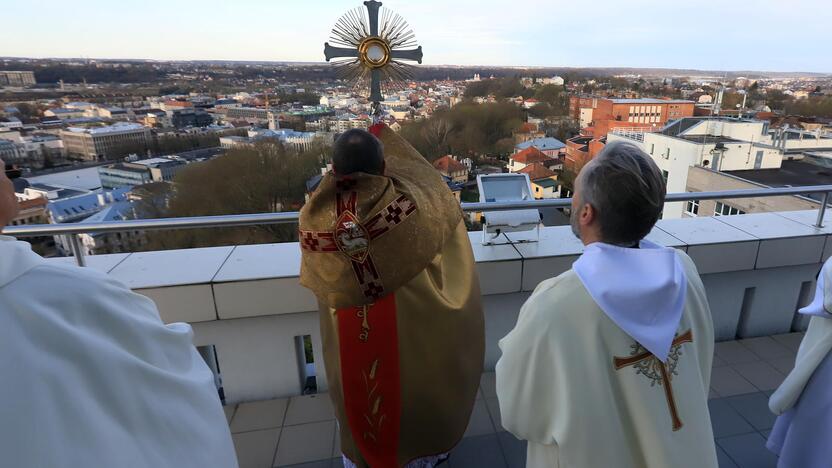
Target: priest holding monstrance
(386,252)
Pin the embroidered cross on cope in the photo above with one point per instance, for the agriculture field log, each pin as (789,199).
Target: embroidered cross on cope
(370,375)
(659,372)
(353,239)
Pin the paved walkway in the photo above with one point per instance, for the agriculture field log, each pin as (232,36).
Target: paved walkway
(301,431)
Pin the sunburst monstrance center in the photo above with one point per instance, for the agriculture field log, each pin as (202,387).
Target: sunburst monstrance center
(374,52)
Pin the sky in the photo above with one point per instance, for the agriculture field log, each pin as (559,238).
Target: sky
(764,35)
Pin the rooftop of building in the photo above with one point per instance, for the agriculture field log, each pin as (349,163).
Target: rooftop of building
(114,128)
(530,155)
(62,192)
(791,174)
(537,171)
(650,101)
(123,167)
(708,139)
(212,288)
(543,144)
(448,164)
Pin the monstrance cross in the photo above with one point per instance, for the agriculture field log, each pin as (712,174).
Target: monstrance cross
(373,49)
(659,372)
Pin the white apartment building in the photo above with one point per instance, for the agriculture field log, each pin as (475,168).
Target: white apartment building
(720,144)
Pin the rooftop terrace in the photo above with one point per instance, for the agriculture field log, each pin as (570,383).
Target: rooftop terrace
(246,301)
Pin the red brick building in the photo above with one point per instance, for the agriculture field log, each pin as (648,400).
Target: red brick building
(601,116)
(608,113)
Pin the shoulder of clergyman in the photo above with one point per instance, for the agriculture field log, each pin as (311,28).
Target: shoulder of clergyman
(560,296)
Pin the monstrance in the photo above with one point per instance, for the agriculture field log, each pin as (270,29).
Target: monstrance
(371,47)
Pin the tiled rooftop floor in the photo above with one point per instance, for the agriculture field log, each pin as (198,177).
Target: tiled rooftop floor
(301,431)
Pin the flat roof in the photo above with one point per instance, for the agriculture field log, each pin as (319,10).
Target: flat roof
(651,101)
(791,174)
(709,139)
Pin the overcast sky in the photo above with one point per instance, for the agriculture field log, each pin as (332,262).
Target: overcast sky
(769,35)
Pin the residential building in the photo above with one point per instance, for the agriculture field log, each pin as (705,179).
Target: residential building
(194,117)
(33,211)
(112,242)
(113,113)
(348,122)
(17,78)
(702,179)
(35,149)
(528,131)
(64,113)
(577,153)
(95,143)
(253,115)
(123,175)
(301,141)
(448,166)
(10,151)
(544,181)
(721,144)
(528,156)
(551,147)
(131,174)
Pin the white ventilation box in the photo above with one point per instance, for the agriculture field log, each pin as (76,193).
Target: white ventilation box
(499,188)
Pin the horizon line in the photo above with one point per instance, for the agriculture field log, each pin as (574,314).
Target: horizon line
(572,67)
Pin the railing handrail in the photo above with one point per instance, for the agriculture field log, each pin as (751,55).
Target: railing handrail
(291,217)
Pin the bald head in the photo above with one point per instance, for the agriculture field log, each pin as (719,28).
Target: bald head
(358,151)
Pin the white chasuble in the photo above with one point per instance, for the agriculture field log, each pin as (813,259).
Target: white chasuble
(93,378)
(609,364)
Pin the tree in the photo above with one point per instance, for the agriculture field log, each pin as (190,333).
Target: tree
(28,112)
(776,99)
(267,177)
(467,129)
(731,100)
(501,88)
(171,144)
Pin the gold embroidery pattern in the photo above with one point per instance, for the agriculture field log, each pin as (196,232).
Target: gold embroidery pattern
(661,373)
(363,314)
(373,416)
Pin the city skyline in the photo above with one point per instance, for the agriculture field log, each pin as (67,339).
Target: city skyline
(537,33)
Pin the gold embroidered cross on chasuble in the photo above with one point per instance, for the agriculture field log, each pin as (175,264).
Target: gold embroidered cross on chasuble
(389,259)
(659,373)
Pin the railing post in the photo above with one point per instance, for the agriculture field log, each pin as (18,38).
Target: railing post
(822,210)
(77,251)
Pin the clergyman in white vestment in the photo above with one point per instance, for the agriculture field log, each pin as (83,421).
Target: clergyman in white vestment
(91,375)
(802,435)
(609,364)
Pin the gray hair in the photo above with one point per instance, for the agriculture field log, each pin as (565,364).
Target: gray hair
(626,189)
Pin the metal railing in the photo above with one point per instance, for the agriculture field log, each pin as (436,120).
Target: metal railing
(71,231)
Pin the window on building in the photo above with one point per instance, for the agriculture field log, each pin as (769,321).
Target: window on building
(692,208)
(652,147)
(665,175)
(723,209)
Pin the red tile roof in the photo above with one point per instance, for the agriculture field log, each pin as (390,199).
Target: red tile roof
(537,171)
(530,155)
(527,128)
(447,164)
